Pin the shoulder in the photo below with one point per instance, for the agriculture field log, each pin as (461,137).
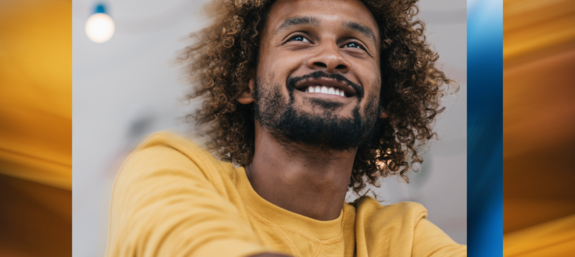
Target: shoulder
(405,228)
(398,220)
(163,145)
(172,193)
(370,209)
(164,154)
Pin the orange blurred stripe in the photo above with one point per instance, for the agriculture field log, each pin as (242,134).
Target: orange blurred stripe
(36,128)
(538,128)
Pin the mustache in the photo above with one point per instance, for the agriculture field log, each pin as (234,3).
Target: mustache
(292,81)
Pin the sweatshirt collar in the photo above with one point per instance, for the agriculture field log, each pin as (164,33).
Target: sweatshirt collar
(273,215)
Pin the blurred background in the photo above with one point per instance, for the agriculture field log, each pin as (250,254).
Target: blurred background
(130,86)
(539,121)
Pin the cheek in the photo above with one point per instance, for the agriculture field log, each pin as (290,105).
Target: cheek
(277,66)
(285,63)
(371,81)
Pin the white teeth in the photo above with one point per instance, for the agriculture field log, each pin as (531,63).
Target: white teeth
(325,90)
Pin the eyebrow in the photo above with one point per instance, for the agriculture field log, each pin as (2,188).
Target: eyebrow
(302,20)
(310,20)
(360,28)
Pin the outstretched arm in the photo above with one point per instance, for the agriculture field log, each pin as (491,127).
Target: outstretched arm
(165,204)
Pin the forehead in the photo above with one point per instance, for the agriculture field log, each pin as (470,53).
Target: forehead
(324,10)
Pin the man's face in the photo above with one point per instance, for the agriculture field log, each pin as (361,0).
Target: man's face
(318,75)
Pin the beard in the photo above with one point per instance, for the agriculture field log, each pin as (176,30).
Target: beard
(326,130)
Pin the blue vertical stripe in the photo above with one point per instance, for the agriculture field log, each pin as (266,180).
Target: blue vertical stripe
(485,127)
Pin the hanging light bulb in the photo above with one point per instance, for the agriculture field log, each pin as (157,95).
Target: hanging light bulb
(100,26)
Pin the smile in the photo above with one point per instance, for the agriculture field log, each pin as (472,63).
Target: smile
(325,86)
(325,90)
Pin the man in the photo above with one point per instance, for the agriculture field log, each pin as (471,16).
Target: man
(309,98)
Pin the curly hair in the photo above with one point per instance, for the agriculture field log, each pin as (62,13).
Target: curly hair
(224,54)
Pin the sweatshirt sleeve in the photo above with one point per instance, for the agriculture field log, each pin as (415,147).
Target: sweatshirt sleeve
(431,241)
(164,204)
(400,229)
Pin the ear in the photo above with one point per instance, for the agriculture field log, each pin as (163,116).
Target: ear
(383,115)
(383,112)
(246,97)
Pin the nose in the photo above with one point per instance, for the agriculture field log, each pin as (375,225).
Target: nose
(329,59)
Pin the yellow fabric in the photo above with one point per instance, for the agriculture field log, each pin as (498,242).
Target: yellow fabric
(172,198)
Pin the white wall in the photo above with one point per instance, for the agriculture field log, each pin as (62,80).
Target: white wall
(131,86)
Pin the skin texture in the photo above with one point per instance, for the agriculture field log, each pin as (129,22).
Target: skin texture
(308,180)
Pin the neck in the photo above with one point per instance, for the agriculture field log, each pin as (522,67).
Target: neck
(309,181)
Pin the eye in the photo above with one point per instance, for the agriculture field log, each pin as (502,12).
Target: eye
(354,45)
(299,38)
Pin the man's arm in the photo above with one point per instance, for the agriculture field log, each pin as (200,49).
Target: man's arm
(165,205)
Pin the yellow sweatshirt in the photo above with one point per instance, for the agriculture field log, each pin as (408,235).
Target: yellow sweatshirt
(172,198)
